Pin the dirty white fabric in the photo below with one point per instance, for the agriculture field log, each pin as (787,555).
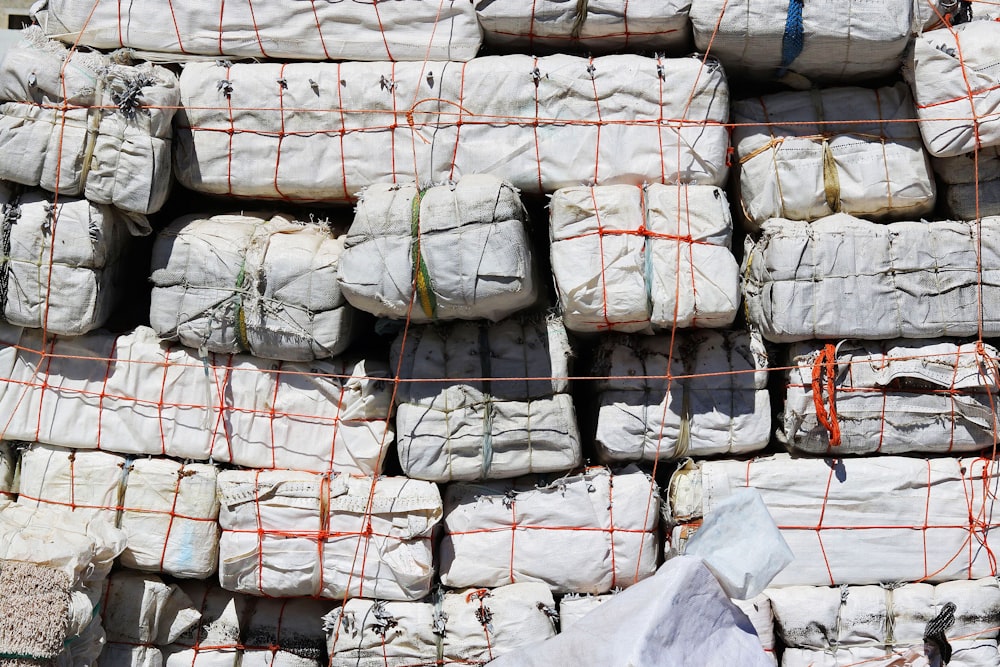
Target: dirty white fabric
(892,397)
(133,394)
(630,259)
(555,531)
(467,410)
(834,627)
(250,283)
(842,277)
(805,155)
(8,472)
(112,147)
(705,395)
(457,251)
(290,558)
(294,30)
(966,177)
(470,626)
(539,123)
(912,517)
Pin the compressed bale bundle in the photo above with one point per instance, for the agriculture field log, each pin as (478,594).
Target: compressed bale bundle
(643,259)
(586,533)
(467,627)
(866,397)
(399,30)
(132,394)
(843,277)
(970,183)
(250,283)
(805,155)
(912,519)
(457,251)
(485,401)
(288,533)
(836,627)
(539,123)
(82,124)
(695,393)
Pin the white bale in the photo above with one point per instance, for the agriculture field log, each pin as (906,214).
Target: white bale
(630,259)
(288,534)
(842,277)
(970,183)
(250,283)
(132,394)
(539,123)
(705,395)
(485,401)
(399,30)
(457,251)
(586,533)
(462,627)
(805,155)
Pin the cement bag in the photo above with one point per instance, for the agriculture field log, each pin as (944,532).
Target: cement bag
(111,146)
(466,409)
(409,30)
(916,515)
(856,624)
(457,251)
(596,26)
(250,283)
(805,155)
(705,395)
(842,277)
(374,536)
(468,627)
(970,183)
(586,533)
(539,123)
(860,397)
(630,259)
(134,395)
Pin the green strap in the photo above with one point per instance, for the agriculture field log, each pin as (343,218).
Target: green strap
(425,291)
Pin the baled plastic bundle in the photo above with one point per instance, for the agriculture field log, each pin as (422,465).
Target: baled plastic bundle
(842,277)
(867,624)
(586,533)
(539,123)
(805,155)
(82,124)
(250,283)
(643,259)
(913,519)
(862,397)
(457,251)
(485,401)
(288,534)
(398,30)
(705,395)
(596,26)
(132,394)
(467,627)
(970,183)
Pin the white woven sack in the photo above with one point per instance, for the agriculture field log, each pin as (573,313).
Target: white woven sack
(250,283)
(917,519)
(8,472)
(970,183)
(706,395)
(586,533)
(287,534)
(805,155)
(539,123)
(892,397)
(133,394)
(630,259)
(296,30)
(497,423)
(842,277)
(112,145)
(458,251)
(596,26)
(468,627)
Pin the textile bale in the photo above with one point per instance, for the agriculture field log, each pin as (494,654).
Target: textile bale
(970,183)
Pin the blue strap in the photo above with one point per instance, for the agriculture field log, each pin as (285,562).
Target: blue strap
(794,37)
